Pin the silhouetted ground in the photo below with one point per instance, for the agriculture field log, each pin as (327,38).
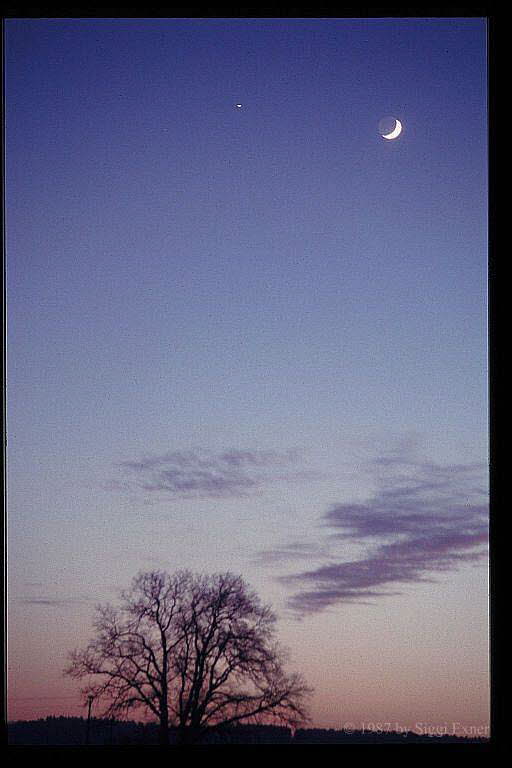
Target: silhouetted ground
(72,731)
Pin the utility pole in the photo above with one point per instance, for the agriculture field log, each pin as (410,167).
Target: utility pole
(88,730)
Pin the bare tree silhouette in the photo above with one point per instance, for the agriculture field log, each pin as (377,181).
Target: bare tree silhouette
(196,651)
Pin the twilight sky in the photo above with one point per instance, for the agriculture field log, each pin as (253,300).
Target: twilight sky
(253,339)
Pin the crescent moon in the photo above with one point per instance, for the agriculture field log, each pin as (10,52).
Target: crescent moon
(397,130)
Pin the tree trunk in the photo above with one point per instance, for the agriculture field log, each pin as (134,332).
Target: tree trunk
(163,734)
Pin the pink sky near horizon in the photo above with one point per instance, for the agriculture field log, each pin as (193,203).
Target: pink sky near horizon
(370,670)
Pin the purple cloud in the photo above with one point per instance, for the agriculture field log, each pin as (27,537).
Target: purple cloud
(203,473)
(423,519)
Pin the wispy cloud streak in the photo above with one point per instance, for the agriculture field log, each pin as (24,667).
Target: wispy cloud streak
(52,602)
(297,550)
(423,519)
(203,473)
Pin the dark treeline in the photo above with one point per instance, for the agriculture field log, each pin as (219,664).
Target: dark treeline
(74,731)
